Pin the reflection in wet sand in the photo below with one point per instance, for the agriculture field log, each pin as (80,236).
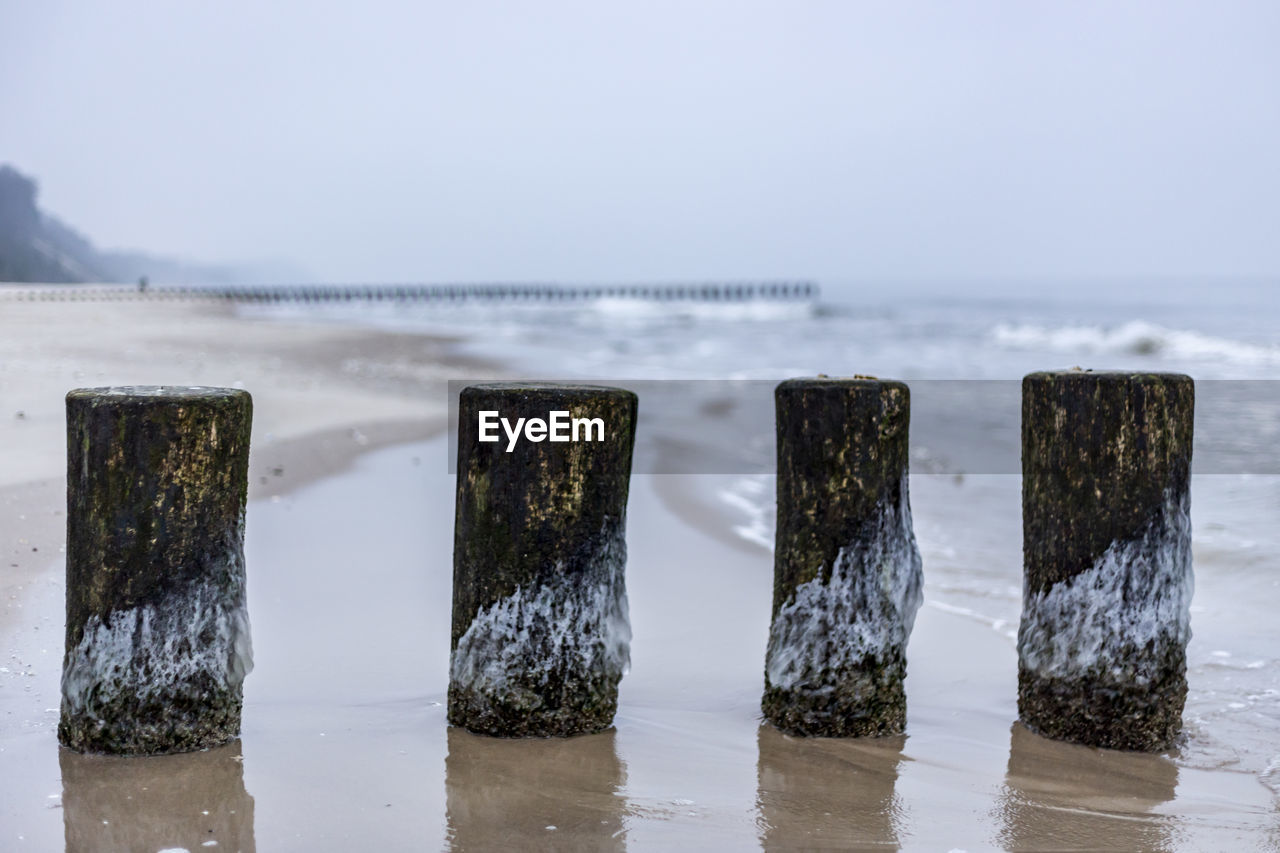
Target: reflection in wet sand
(548,793)
(828,792)
(169,801)
(1060,796)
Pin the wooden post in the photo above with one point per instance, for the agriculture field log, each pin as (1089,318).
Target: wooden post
(1106,464)
(157,634)
(540,627)
(847,573)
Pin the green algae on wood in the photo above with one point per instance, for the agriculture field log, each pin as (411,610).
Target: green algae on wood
(157,633)
(1106,465)
(540,635)
(847,573)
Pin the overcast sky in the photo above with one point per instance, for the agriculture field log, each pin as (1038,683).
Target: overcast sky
(654,140)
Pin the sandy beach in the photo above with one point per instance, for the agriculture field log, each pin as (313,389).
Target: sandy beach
(349,552)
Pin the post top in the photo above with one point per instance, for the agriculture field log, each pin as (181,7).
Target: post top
(568,389)
(155,393)
(856,381)
(1079,374)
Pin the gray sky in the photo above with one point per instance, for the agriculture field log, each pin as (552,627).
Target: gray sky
(623,141)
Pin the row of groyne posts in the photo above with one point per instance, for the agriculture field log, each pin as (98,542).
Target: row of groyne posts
(157,637)
(429,293)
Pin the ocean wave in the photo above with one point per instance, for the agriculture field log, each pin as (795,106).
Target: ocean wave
(1136,337)
(751,498)
(750,310)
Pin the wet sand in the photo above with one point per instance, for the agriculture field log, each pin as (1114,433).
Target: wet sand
(345,743)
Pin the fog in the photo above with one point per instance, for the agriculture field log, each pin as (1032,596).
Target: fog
(658,140)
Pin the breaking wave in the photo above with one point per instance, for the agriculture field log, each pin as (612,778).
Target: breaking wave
(1136,337)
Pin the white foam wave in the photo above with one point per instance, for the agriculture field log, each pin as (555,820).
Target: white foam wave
(1271,776)
(751,497)
(1136,337)
(646,311)
(1000,626)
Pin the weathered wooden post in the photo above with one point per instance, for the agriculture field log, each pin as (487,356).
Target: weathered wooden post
(541,635)
(847,573)
(157,635)
(1106,464)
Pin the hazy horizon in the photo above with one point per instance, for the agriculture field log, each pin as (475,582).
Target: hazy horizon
(832,141)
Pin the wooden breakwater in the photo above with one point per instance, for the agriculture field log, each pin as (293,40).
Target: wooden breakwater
(157,640)
(419,293)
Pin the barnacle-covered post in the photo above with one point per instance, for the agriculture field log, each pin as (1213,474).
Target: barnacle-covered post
(157,634)
(1106,464)
(541,635)
(847,573)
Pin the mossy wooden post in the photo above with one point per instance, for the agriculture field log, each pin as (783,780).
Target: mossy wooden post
(847,573)
(1106,464)
(157,634)
(540,627)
